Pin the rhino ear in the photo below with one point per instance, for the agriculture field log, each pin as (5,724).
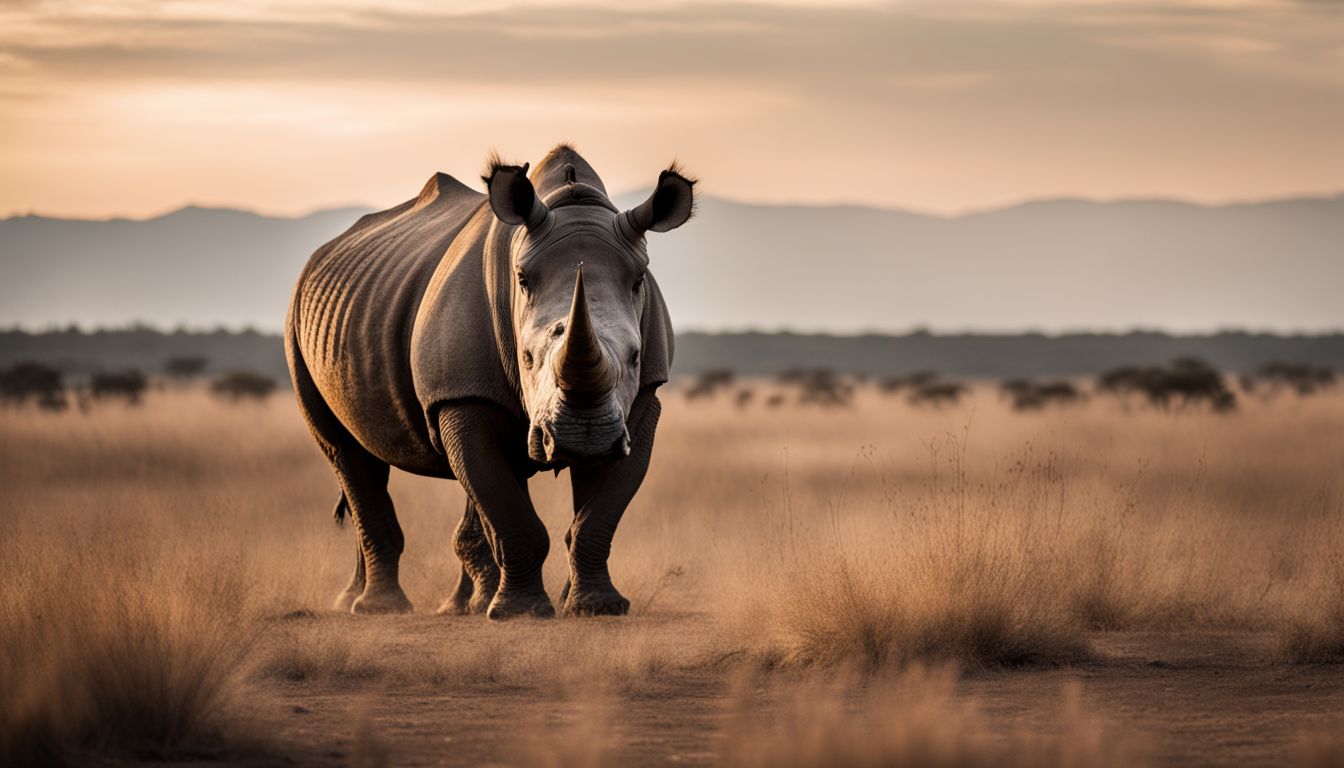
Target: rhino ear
(670,205)
(512,197)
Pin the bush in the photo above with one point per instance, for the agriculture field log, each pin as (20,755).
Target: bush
(1301,378)
(823,387)
(709,382)
(129,385)
(243,385)
(1185,380)
(891,385)
(937,393)
(33,381)
(1028,395)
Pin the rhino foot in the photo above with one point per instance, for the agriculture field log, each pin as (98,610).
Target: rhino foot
(596,602)
(507,605)
(473,602)
(345,600)
(391,600)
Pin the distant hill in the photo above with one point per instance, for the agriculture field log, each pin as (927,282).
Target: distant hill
(977,356)
(1051,266)
(201,267)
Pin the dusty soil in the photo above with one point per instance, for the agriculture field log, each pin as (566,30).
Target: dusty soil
(1193,698)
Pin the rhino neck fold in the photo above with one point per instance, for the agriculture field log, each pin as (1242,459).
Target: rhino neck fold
(498,275)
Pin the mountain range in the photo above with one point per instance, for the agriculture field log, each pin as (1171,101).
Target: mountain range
(1049,266)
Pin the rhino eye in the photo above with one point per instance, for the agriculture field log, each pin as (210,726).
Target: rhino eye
(522,281)
(638,284)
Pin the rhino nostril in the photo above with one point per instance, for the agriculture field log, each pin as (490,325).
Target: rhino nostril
(634,358)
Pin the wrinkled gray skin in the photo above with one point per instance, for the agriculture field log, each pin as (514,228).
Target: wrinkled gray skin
(485,337)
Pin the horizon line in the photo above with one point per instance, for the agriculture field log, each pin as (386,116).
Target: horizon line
(968,212)
(911,332)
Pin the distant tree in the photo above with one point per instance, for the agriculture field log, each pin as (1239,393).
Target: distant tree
(26,381)
(709,382)
(128,385)
(891,385)
(936,393)
(775,400)
(743,398)
(185,367)
(1185,381)
(1028,395)
(243,385)
(818,386)
(1303,379)
(822,386)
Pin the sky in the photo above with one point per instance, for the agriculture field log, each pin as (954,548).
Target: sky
(137,107)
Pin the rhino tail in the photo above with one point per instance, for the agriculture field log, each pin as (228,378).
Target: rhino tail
(342,509)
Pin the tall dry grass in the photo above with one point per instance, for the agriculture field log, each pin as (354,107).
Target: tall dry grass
(112,650)
(977,535)
(916,717)
(153,553)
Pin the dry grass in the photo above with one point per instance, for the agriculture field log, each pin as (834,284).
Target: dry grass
(915,718)
(1320,750)
(152,553)
(1314,634)
(111,650)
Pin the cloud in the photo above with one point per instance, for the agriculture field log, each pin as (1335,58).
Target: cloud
(949,105)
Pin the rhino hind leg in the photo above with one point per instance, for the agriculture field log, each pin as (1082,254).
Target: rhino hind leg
(479,579)
(363,478)
(355,588)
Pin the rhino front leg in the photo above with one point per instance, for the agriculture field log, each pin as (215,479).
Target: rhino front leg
(481,442)
(479,580)
(601,494)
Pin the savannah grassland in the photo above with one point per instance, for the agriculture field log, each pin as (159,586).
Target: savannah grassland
(1103,584)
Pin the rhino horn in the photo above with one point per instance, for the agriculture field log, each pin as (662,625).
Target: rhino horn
(581,368)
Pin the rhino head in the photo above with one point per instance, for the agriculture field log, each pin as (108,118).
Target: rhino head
(578,300)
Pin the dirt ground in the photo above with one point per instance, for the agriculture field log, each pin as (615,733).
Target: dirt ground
(1194,698)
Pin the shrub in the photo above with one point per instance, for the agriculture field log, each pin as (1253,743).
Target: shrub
(128,385)
(1301,378)
(936,393)
(709,382)
(32,381)
(1185,380)
(1028,395)
(891,385)
(242,385)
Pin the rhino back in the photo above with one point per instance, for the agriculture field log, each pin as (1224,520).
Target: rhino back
(354,309)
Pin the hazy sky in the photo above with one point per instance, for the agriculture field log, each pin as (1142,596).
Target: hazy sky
(135,108)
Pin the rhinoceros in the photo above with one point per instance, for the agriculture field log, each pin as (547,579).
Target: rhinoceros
(484,337)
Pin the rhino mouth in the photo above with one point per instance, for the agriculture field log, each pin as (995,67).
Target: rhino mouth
(583,437)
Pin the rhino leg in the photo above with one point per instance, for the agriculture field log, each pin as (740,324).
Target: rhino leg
(373,588)
(479,580)
(601,494)
(482,443)
(364,479)
(356,586)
